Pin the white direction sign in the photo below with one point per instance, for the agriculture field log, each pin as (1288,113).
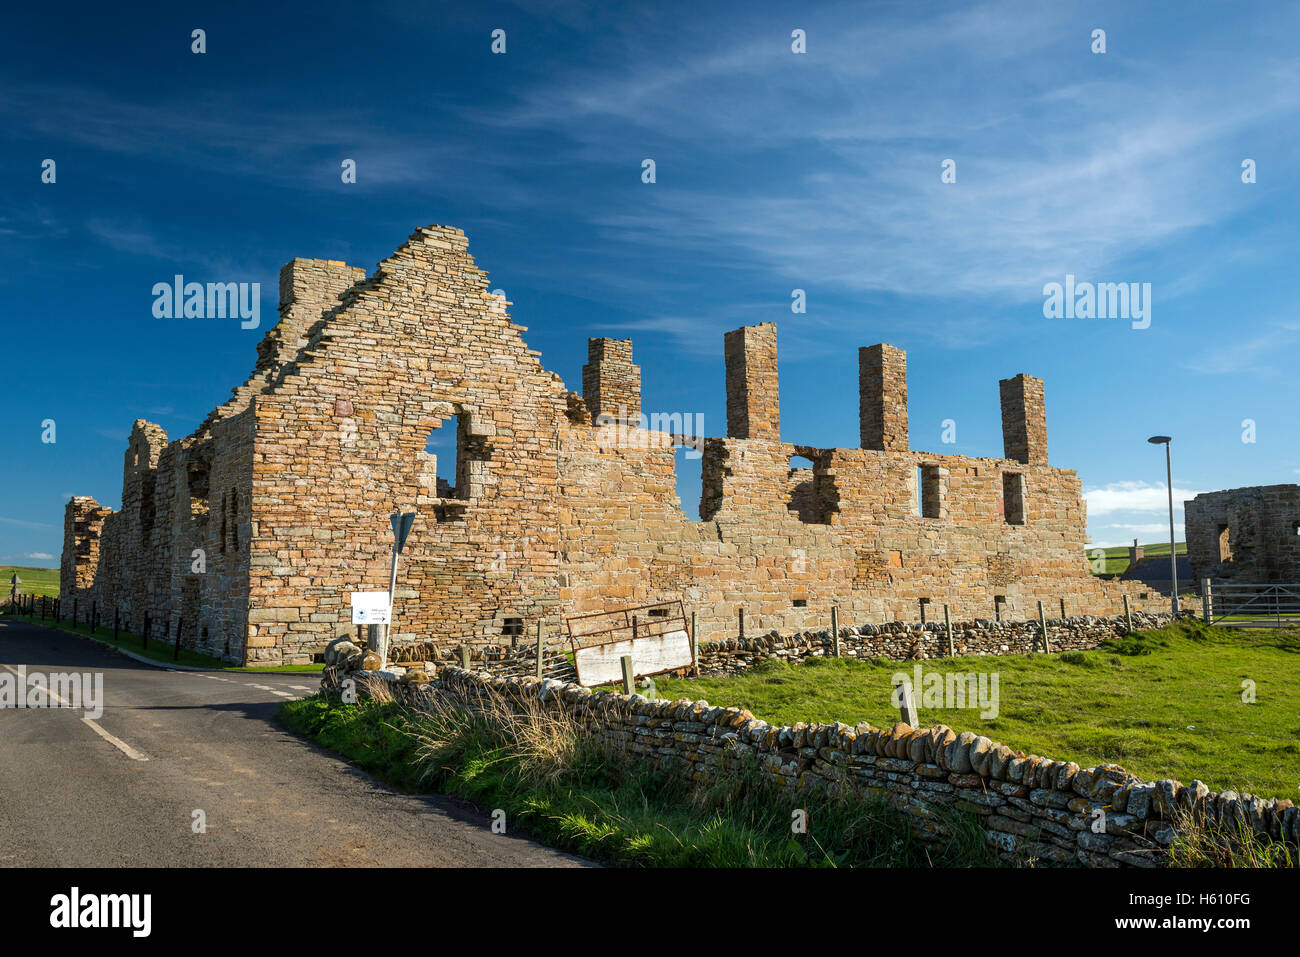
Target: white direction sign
(370,608)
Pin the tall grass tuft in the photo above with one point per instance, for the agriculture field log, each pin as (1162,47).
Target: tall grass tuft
(1203,844)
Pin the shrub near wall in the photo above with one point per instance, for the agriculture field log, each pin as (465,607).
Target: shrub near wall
(1028,806)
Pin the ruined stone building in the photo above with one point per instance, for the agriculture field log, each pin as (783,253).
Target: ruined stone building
(561,503)
(1251,535)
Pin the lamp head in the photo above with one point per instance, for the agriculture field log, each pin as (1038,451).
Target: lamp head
(1160,439)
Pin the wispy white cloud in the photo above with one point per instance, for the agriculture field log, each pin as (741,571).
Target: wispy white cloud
(24,524)
(1133,497)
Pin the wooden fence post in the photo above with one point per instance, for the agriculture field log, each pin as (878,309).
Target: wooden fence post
(1128,617)
(740,612)
(1207,603)
(835,630)
(1062,607)
(464,657)
(906,703)
(1042,622)
(695,645)
(947,624)
(629,684)
(540,650)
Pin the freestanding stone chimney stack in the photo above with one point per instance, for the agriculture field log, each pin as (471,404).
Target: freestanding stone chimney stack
(611,384)
(753,401)
(1024,419)
(882,398)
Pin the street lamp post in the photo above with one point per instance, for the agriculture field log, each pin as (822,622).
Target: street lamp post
(1165,440)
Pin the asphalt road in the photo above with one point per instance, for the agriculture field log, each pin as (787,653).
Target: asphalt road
(121,791)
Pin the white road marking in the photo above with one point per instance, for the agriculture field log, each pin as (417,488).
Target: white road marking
(117,742)
(301,688)
(112,739)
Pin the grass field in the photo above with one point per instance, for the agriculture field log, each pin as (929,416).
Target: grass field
(1116,560)
(36,581)
(1165,703)
(156,650)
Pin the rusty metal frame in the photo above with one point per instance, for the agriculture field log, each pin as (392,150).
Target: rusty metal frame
(632,627)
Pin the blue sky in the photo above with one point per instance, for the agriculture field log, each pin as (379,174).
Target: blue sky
(775,171)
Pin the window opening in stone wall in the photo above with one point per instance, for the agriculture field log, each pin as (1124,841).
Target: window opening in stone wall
(198,483)
(801,481)
(998,602)
(801,603)
(689,480)
(234,520)
(512,628)
(444,442)
(146,507)
(460,474)
(1013,498)
(927,484)
(1225,543)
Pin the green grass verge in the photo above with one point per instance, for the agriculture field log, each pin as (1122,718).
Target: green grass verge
(35,581)
(1162,703)
(573,795)
(158,651)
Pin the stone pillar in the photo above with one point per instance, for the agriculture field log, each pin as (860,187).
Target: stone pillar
(753,399)
(1024,420)
(882,398)
(611,384)
(308,289)
(83,523)
(1135,553)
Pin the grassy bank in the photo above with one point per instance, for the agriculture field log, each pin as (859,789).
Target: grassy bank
(1116,556)
(1164,703)
(157,650)
(571,794)
(35,581)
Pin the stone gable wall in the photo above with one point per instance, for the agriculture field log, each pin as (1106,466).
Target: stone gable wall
(553,511)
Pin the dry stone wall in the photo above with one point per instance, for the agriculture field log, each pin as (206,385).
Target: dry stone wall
(560,503)
(903,641)
(1028,807)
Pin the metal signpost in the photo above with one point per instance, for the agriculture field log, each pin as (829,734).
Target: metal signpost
(401,522)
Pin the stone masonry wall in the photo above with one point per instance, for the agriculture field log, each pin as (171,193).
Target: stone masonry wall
(1249,534)
(284,491)
(1027,806)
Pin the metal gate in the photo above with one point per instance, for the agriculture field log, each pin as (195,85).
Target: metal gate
(1245,605)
